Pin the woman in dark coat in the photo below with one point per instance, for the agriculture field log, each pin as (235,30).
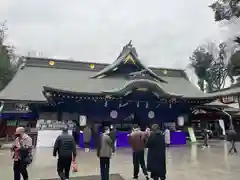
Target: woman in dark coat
(156,159)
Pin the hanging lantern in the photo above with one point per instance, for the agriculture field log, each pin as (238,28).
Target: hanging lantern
(180,121)
(165,72)
(113,114)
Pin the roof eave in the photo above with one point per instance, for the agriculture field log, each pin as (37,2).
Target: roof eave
(22,100)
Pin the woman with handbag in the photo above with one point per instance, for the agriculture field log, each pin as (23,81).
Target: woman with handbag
(22,154)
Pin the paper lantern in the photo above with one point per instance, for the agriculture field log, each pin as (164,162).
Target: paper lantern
(180,120)
(165,72)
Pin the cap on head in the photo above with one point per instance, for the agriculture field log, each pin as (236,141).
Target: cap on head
(20,130)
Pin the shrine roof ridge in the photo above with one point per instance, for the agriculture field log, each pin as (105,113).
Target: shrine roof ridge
(43,62)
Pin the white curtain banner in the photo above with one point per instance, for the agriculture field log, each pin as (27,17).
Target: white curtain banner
(222,125)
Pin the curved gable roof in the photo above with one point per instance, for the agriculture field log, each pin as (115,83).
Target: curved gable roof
(128,50)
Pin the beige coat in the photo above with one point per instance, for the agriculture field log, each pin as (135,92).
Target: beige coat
(106,146)
(87,133)
(25,141)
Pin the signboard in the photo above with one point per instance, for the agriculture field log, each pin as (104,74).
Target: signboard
(180,120)
(192,135)
(228,99)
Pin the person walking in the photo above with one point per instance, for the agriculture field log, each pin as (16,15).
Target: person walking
(113,132)
(137,141)
(206,134)
(167,137)
(65,147)
(87,138)
(148,131)
(232,138)
(156,157)
(95,134)
(76,132)
(104,153)
(22,154)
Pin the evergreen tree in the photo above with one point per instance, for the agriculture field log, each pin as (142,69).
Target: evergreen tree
(226,9)
(7,68)
(210,63)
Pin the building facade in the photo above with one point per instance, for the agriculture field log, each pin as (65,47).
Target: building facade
(123,92)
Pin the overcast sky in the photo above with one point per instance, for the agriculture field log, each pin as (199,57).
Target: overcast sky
(165,32)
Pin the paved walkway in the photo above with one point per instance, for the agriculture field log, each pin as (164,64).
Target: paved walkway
(183,163)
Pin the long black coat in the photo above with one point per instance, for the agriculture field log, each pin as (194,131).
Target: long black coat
(156,158)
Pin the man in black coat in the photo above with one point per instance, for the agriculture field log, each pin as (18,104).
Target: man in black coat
(76,132)
(113,133)
(156,158)
(65,147)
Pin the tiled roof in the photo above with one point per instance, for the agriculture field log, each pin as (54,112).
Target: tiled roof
(77,76)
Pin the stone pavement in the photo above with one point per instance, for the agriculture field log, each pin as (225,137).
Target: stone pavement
(183,163)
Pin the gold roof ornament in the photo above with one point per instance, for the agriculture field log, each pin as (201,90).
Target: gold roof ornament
(128,59)
(165,72)
(51,63)
(92,66)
